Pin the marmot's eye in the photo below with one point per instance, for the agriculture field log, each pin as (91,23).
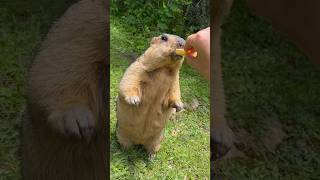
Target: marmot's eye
(164,37)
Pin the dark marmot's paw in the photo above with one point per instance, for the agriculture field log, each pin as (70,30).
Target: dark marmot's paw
(76,122)
(177,105)
(133,100)
(222,138)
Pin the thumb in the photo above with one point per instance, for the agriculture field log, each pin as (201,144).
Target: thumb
(191,61)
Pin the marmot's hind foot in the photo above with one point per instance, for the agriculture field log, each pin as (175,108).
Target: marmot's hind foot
(151,157)
(124,142)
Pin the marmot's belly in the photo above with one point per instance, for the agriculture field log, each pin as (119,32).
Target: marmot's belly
(141,124)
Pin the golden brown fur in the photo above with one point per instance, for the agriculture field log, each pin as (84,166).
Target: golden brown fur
(148,92)
(64,129)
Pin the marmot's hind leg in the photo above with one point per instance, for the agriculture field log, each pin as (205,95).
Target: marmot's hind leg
(124,141)
(154,146)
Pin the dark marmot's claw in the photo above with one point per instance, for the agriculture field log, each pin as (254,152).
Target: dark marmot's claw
(77,122)
(133,100)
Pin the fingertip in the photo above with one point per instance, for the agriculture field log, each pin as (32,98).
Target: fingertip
(187,46)
(189,42)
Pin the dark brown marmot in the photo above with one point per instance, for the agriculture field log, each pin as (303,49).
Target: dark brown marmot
(64,135)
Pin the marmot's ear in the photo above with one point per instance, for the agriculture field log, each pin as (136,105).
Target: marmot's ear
(153,40)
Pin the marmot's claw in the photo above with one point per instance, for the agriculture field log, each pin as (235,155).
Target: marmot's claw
(133,100)
(178,106)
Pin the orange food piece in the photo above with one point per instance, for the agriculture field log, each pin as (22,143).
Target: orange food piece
(190,52)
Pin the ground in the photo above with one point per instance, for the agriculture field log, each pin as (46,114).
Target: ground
(185,150)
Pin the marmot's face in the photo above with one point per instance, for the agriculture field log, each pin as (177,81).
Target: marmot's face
(161,52)
(171,41)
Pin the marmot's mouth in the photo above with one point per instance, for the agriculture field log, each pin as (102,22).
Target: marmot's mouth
(176,56)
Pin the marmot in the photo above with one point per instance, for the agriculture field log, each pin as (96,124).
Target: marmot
(148,93)
(64,133)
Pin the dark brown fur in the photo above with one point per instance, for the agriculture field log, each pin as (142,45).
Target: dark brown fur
(64,134)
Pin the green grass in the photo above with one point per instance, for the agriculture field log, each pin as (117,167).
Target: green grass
(267,78)
(185,149)
(23,25)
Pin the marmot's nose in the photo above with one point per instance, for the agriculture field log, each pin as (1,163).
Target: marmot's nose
(180,42)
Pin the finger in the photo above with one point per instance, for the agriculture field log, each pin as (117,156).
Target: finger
(191,56)
(191,61)
(206,29)
(190,42)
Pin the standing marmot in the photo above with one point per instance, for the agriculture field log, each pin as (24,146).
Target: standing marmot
(148,92)
(64,134)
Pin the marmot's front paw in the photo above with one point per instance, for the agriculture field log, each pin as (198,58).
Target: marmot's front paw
(133,100)
(222,138)
(76,122)
(178,105)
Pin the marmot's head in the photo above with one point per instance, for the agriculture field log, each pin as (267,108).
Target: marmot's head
(161,52)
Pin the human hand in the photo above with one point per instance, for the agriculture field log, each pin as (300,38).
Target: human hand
(200,42)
